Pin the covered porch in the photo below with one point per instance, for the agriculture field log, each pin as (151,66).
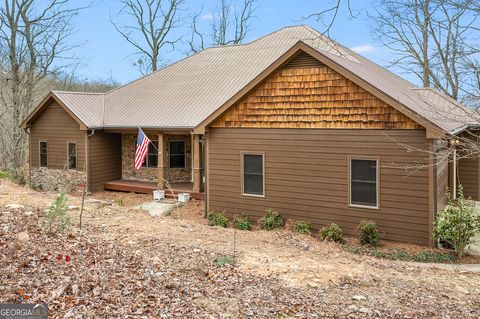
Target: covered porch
(174,162)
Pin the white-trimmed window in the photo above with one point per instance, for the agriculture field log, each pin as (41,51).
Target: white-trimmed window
(363,182)
(253,174)
(72,155)
(43,154)
(177,154)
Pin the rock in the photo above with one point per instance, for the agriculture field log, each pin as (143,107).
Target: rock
(196,250)
(29,213)
(364,310)
(22,236)
(359,298)
(74,290)
(462,290)
(5,229)
(96,291)
(14,206)
(73,207)
(312,284)
(353,308)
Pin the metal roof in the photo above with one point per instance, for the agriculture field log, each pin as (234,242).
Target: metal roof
(185,93)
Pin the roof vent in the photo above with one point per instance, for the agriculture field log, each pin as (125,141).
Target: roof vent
(303,60)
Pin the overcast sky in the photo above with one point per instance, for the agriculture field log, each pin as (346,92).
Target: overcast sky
(105,54)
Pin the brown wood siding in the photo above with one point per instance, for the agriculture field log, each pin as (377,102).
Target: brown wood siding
(306,177)
(468,176)
(57,127)
(105,159)
(305,96)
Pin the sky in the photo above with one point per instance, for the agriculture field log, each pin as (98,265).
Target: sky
(106,55)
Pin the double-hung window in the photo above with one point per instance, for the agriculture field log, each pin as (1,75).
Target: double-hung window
(151,160)
(177,154)
(364,182)
(72,155)
(43,151)
(253,174)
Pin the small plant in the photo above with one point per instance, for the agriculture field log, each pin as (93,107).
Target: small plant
(4,175)
(241,222)
(331,232)
(56,214)
(302,227)
(224,260)
(119,202)
(217,219)
(458,223)
(368,233)
(271,220)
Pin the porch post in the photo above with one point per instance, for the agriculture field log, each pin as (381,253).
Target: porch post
(161,163)
(196,164)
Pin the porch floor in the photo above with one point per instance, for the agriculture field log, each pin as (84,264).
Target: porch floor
(124,185)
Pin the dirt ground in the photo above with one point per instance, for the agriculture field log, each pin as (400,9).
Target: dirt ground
(127,264)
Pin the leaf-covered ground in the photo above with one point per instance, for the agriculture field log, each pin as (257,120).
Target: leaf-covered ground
(126,264)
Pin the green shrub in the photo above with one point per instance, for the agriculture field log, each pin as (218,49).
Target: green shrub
(458,223)
(56,214)
(302,227)
(224,260)
(368,233)
(241,222)
(217,219)
(271,220)
(4,175)
(331,232)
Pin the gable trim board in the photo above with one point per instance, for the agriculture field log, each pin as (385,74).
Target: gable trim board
(433,131)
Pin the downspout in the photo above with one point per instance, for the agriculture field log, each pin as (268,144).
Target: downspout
(454,195)
(203,143)
(435,183)
(27,131)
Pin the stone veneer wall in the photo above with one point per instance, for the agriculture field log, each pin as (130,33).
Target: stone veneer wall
(58,180)
(150,174)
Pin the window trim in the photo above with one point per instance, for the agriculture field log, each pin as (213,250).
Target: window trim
(40,154)
(377,186)
(242,155)
(146,157)
(76,156)
(184,154)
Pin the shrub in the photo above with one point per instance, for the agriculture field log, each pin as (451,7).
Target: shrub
(217,219)
(56,214)
(368,233)
(331,232)
(458,223)
(224,260)
(302,227)
(271,220)
(241,222)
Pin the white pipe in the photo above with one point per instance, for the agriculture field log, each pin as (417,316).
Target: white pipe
(454,195)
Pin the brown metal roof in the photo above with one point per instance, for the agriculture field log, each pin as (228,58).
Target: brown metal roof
(185,93)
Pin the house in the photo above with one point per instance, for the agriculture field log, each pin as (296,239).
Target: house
(292,121)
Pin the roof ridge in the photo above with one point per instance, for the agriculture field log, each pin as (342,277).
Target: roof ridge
(78,92)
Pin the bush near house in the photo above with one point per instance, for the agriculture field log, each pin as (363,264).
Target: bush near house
(331,232)
(217,219)
(271,220)
(241,222)
(369,233)
(302,227)
(458,223)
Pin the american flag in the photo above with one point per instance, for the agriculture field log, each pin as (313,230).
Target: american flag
(142,148)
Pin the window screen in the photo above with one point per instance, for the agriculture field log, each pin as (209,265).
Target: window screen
(253,174)
(177,154)
(151,160)
(43,154)
(363,182)
(72,156)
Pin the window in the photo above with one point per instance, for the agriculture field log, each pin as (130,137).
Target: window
(72,156)
(363,182)
(151,160)
(43,154)
(253,174)
(177,154)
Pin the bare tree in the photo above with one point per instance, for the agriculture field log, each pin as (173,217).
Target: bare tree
(431,39)
(33,45)
(328,16)
(149,32)
(230,25)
